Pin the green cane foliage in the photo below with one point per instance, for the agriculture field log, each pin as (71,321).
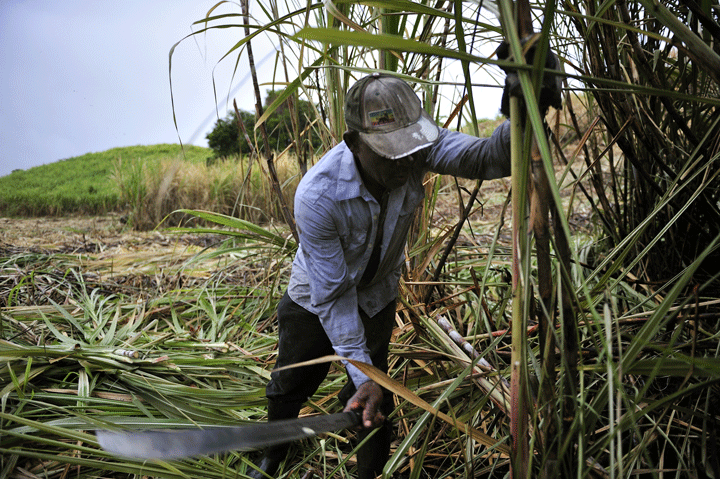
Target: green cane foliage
(241,229)
(611,270)
(676,147)
(109,362)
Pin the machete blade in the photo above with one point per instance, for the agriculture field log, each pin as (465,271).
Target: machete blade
(179,443)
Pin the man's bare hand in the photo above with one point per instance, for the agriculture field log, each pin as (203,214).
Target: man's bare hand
(368,399)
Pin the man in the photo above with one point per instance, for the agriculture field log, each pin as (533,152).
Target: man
(353,211)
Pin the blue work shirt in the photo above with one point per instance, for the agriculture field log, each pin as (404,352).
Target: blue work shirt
(338,220)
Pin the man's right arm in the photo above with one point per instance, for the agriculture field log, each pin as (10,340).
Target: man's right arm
(333,294)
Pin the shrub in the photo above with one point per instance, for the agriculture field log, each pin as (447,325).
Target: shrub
(226,140)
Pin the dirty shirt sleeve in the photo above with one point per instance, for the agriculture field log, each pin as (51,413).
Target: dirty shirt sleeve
(332,291)
(467,156)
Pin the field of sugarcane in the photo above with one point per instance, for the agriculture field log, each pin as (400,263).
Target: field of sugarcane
(562,323)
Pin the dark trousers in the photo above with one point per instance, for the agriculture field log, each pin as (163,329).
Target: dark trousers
(302,338)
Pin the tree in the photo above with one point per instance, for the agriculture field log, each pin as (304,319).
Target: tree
(226,140)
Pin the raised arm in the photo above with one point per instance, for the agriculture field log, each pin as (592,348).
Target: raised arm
(467,156)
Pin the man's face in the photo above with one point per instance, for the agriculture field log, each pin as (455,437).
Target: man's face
(389,174)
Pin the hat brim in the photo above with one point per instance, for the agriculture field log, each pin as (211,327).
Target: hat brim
(402,142)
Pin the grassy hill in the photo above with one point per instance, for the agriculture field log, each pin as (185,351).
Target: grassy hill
(84,184)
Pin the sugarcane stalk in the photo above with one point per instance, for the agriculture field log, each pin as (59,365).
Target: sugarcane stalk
(519,393)
(269,158)
(519,404)
(540,207)
(495,387)
(334,86)
(540,204)
(570,349)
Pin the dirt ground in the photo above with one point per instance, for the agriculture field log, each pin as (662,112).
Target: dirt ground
(49,233)
(81,234)
(95,234)
(103,234)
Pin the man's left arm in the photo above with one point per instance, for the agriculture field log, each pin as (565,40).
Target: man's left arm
(467,156)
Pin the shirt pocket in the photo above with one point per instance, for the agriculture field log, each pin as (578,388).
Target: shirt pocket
(354,231)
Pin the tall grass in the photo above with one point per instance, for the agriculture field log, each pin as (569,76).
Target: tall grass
(80,185)
(147,184)
(152,192)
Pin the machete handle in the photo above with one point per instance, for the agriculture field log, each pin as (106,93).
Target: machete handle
(356,417)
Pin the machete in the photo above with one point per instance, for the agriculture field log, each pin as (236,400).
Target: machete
(179,443)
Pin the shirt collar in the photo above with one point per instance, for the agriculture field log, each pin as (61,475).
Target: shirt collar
(349,183)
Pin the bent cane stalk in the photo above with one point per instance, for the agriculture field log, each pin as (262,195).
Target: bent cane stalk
(451,244)
(495,387)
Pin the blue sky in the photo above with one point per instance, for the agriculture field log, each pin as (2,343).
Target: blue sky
(81,76)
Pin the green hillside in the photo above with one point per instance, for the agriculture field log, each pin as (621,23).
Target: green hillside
(83,184)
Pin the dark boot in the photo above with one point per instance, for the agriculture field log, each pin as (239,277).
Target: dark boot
(373,455)
(273,456)
(269,462)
